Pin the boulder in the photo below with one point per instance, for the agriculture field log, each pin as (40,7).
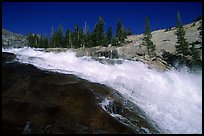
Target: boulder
(40,102)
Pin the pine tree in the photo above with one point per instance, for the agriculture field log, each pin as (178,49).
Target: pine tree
(101,35)
(195,54)
(31,40)
(68,39)
(60,38)
(94,36)
(81,38)
(36,40)
(57,38)
(98,36)
(124,35)
(45,42)
(40,43)
(114,42)
(88,40)
(76,37)
(182,45)
(120,33)
(84,35)
(88,37)
(109,35)
(147,39)
(53,39)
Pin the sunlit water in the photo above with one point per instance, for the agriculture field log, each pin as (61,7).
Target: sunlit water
(173,99)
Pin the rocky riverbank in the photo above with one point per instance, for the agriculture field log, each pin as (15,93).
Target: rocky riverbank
(112,52)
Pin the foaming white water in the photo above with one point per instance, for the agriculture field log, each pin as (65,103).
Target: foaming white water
(172,99)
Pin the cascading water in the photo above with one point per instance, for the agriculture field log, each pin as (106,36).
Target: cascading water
(173,99)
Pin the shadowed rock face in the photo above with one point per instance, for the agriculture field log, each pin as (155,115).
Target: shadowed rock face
(36,101)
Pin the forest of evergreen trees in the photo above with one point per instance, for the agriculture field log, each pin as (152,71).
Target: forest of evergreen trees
(81,37)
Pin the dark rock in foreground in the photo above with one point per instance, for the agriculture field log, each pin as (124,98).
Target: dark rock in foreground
(7,57)
(36,101)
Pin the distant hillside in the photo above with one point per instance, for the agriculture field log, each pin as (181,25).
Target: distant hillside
(10,39)
(166,40)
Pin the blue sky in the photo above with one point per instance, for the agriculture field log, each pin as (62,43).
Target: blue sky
(39,17)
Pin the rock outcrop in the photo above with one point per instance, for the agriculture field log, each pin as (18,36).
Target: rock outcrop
(10,39)
(166,40)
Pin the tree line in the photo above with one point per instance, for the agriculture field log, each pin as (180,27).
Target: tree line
(82,37)
(38,41)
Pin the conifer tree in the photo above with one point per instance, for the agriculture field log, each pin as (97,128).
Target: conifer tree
(147,39)
(76,37)
(114,42)
(120,33)
(195,54)
(57,38)
(81,38)
(68,39)
(101,35)
(182,45)
(53,38)
(98,36)
(94,36)
(31,40)
(60,38)
(45,42)
(40,42)
(36,40)
(109,35)
(88,40)
(85,35)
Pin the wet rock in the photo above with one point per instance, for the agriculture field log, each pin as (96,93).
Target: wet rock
(52,103)
(107,53)
(7,57)
(36,101)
